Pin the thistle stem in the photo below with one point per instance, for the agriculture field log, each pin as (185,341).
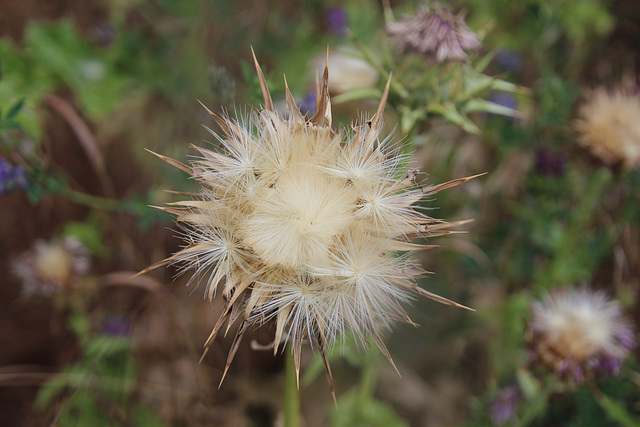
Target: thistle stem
(291,392)
(368,379)
(94,202)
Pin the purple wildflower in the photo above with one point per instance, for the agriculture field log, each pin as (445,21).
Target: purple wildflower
(336,21)
(509,60)
(116,326)
(11,177)
(550,163)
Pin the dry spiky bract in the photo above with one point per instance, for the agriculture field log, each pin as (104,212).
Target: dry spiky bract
(299,224)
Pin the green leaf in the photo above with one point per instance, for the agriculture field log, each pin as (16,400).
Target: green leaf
(50,390)
(485,61)
(480,105)
(15,109)
(79,324)
(528,384)
(449,112)
(617,412)
(409,118)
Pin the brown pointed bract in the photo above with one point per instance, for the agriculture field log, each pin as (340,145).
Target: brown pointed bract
(268,103)
(322,116)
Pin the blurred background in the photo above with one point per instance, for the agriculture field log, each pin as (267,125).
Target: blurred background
(540,94)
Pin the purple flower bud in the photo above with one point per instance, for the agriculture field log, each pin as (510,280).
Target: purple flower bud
(509,60)
(336,21)
(116,326)
(550,163)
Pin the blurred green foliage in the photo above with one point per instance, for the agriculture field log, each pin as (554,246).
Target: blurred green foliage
(97,389)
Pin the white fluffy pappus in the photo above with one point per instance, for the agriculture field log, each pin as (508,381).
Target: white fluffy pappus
(302,224)
(579,331)
(608,124)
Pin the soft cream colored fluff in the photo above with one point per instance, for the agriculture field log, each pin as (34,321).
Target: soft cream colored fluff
(302,224)
(609,125)
(579,332)
(580,324)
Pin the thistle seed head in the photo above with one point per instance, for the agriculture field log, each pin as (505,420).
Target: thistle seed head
(301,224)
(580,332)
(609,125)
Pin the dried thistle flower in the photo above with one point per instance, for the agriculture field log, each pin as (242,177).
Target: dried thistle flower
(300,224)
(52,266)
(609,125)
(579,332)
(436,31)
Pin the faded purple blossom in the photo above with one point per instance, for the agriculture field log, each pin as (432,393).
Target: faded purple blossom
(579,333)
(438,32)
(550,163)
(503,405)
(11,177)
(336,21)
